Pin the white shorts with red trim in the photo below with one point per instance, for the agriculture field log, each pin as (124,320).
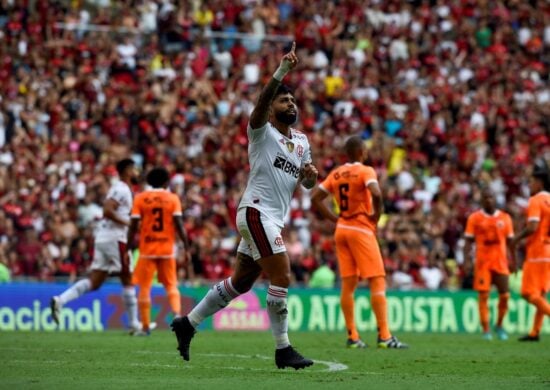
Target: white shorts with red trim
(111,257)
(261,237)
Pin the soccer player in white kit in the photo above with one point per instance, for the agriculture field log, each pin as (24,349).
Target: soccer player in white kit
(110,253)
(280,158)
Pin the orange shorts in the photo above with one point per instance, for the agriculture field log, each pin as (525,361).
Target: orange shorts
(145,272)
(483,275)
(536,278)
(358,252)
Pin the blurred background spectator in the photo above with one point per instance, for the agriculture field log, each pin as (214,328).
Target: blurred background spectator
(448,95)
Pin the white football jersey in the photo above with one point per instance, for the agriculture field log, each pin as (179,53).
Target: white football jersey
(109,230)
(275,164)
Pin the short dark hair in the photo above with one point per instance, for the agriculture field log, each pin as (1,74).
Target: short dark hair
(353,145)
(158,177)
(283,89)
(122,165)
(542,172)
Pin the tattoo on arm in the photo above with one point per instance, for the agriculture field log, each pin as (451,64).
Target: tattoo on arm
(260,114)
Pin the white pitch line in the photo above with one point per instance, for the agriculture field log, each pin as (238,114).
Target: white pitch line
(332,366)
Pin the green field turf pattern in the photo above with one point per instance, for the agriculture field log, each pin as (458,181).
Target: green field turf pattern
(244,360)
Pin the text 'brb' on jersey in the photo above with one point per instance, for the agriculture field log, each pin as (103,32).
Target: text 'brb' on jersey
(275,164)
(348,184)
(108,230)
(156,208)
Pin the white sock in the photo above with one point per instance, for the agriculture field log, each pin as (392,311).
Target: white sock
(76,290)
(130,303)
(276,309)
(216,299)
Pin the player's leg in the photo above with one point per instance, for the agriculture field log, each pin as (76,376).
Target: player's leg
(535,291)
(538,321)
(277,269)
(501,283)
(218,297)
(347,303)
(143,277)
(129,298)
(366,251)
(482,284)
(167,275)
(98,273)
(385,339)
(533,287)
(348,275)
(268,249)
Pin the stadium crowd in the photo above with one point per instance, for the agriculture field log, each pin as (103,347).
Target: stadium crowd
(449,96)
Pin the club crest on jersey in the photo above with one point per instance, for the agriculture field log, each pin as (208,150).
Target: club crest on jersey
(290,146)
(500,224)
(300,151)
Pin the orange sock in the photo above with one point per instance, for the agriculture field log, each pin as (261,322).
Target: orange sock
(144,306)
(542,304)
(145,313)
(379,306)
(174,300)
(537,324)
(349,284)
(483,301)
(502,307)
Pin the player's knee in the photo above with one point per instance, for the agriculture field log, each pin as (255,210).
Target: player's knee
(281,279)
(171,290)
(242,285)
(95,284)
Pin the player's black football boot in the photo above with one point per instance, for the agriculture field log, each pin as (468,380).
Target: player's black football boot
(289,357)
(184,332)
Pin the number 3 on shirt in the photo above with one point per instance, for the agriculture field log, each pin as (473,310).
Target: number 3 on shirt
(343,189)
(158,226)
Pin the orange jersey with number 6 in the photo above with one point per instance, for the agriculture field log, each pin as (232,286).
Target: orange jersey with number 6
(156,208)
(348,184)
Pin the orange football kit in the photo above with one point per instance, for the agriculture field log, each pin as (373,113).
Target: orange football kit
(356,245)
(490,233)
(157,238)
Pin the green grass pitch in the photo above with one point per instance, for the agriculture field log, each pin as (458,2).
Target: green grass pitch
(244,360)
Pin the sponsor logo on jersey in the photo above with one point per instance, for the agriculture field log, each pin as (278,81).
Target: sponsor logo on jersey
(279,241)
(286,166)
(152,240)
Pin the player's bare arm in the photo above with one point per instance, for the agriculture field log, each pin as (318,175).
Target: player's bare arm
(318,197)
(182,234)
(109,211)
(260,114)
(468,241)
(308,176)
(526,232)
(377,202)
(512,263)
(130,238)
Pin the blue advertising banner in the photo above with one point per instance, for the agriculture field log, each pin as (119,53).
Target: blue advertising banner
(25,307)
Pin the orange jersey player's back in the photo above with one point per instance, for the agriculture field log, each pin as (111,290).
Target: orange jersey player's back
(156,209)
(348,184)
(490,233)
(538,244)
